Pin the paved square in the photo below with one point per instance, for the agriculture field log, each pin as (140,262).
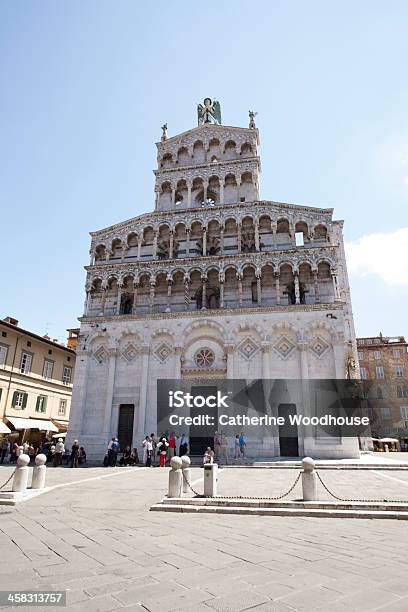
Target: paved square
(98,540)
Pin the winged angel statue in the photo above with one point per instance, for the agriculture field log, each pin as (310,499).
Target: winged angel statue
(209,112)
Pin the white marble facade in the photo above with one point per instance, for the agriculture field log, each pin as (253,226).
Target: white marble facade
(215,282)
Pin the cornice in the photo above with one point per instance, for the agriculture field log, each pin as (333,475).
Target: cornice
(258,206)
(292,308)
(221,164)
(304,254)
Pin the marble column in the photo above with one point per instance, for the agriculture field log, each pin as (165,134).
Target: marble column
(266,348)
(104,290)
(135,289)
(139,246)
(229,349)
(221,191)
(186,294)
(204,294)
(316,288)
(151,297)
(205,192)
(171,247)
(277,289)
(336,290)
(155,244)
(221,241)
(118,299)
(178,349)
(204,241)
(188,195)
(173,197)
(239,237)
(139,423)
(187,243)
(257,247)
(258,289)
(297,289)
(221,294)
(109,393)
(239,290)
(169,284)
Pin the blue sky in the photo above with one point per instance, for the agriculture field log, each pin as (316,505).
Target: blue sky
(87,85)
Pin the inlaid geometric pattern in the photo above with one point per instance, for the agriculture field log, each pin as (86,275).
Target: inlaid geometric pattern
(284,347)
(162,352)
(319,347)
(204,358)
(130,353)
(101,355)
(247,348)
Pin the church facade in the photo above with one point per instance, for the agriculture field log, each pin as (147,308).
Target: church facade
(213,283)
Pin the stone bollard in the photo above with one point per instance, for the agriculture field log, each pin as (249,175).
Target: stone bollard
(186,472)
(309,480)
(39,472)
(20,477)
(175,477)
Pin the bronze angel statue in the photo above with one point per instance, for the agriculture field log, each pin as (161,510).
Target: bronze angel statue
(209,112)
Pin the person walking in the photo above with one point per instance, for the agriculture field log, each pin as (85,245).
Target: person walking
(172,444)
(5,445)
(149,451)
(236,447)
(224,448)
(217,445)
(75,454)
(242,444)
(183,449)
(13,453)
(82,456)
(59,451)
(154,447)
(162,448)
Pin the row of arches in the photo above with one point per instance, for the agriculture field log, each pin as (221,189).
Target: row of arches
(213,289)
(213,238)
(201,191)
(200,152)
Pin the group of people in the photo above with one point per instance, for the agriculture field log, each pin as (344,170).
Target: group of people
(163,449)
(55,452)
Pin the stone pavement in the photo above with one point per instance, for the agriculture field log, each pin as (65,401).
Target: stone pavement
(98,540)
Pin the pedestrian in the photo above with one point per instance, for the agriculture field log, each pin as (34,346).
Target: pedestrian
(236,445)
(149,451)
(31,453)
(217,445)
(113,448)
(183,449)
(154,447)
(13,453)
(75,454)
(82,456)
(127,457)
(59,451)
(4,448)
(162,449)
(242,444)
(172,444)
(224,448)
(26,446)
(208,456)
(135,457)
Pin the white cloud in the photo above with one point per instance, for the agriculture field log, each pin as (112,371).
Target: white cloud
(383,255)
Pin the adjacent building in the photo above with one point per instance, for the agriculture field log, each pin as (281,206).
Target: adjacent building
(36,375)
(383,364)
(215,282)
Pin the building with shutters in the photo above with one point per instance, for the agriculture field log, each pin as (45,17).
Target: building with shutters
(36,376)
(383,364)
(215,282)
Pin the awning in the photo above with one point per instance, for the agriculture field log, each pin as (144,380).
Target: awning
(389,440)
(4,428)
(61,426)
(43,425)
(59,435)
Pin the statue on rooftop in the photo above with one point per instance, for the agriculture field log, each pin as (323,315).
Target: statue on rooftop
(209,112)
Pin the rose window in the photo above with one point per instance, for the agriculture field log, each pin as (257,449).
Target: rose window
(204,358)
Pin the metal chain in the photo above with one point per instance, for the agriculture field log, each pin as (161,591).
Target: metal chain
(376,501)
(245,496)
(8,479)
